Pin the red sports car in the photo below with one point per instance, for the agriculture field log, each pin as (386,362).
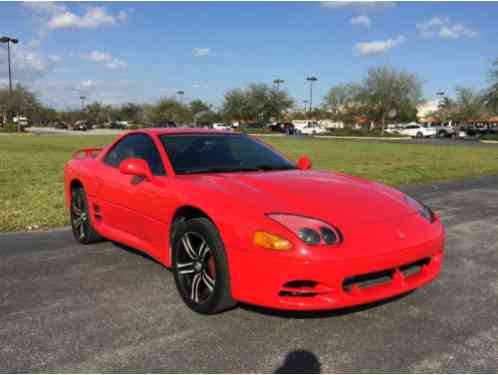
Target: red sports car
(236,221)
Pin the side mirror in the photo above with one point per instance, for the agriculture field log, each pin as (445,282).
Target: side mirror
(304,163)
(136,167)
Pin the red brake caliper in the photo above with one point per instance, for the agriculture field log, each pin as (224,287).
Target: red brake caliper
(212,268)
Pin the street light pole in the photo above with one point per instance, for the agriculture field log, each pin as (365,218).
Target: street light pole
(305,102)
(311,80)
(8,40)
(440,94)
(82,98)
(277,83)
(180,94)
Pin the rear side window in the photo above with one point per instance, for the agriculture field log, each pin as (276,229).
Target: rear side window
(136,146)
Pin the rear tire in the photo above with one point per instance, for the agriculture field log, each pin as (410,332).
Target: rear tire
(81,220)
(200,267)
(419,135)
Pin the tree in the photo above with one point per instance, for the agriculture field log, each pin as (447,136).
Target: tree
(468,105)
(258,102)
(490,97)
(170,109)
(197,106)
(130,112)
(386,92)
(235,104)
(341,102)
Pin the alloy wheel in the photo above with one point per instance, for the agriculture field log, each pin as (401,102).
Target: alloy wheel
(79,215)
(196,267)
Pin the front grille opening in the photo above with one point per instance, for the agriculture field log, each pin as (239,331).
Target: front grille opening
(414,268)
(297,293)
(301,288)
(301,284)
(368,280)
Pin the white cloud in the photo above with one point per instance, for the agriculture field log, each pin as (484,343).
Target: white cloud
(361,5)
(57,16)
(377,47)
(93,18)
(116,64)
(122,16)
(87,85)
(106,58)
(444,28)
(361,20)
(97,56)
(196,86)
(54,58)
(201,52)
(28,63)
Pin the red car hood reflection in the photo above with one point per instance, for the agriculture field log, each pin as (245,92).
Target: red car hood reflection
(332,197)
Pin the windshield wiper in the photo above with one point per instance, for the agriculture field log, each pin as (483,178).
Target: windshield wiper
(257,168)
(267,167)
(218,170)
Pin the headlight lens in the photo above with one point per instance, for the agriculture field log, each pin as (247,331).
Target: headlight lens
(422,209)
(311,231)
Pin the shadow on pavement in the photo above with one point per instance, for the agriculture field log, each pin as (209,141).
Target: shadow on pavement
(300,362)
(321,313)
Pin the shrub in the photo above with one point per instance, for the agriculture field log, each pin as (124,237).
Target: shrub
(253,130)
(490,137)
(9,128)
(349,132)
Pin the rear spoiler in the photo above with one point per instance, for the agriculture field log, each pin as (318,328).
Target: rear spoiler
(86,153)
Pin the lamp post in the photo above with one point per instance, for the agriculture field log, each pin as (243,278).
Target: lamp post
(8,40)
(180,94)
(305,102)
(277,83)
(440,95)
(82,98)
(311,80)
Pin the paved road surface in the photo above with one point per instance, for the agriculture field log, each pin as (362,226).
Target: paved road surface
(66,307)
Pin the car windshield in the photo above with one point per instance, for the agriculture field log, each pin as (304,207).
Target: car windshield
(220,153)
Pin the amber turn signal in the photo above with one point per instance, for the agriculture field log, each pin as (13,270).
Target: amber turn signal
(271,241)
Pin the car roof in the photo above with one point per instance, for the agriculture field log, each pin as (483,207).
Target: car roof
(161,131)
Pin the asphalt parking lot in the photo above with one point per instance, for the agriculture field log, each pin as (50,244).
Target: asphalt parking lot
(104,308)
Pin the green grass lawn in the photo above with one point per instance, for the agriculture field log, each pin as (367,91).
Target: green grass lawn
(31,169)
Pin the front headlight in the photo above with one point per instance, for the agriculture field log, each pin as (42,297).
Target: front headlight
(311,231)
(421,208)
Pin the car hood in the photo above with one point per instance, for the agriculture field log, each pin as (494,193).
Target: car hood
(333,197)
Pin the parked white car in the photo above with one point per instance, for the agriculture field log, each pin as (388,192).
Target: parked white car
(417,131)
(219,126)
(311,129)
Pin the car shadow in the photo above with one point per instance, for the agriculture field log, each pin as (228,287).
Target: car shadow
(287,314)
(136,252)
(300,362)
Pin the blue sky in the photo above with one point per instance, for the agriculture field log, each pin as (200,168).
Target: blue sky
(126,51)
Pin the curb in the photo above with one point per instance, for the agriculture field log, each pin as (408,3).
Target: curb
(365,138)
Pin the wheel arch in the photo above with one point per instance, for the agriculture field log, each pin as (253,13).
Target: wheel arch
(184,213)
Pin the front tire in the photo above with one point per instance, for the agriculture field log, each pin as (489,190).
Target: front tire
(419,135)
(200,267)
(81,222)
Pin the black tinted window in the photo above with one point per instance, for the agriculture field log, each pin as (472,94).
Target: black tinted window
(200,153)
(136,146)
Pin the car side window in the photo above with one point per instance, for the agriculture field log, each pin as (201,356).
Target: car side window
(136,146)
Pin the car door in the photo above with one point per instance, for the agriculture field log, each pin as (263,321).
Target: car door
(126,201)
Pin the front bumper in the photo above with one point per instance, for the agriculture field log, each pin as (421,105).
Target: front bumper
(267,279)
